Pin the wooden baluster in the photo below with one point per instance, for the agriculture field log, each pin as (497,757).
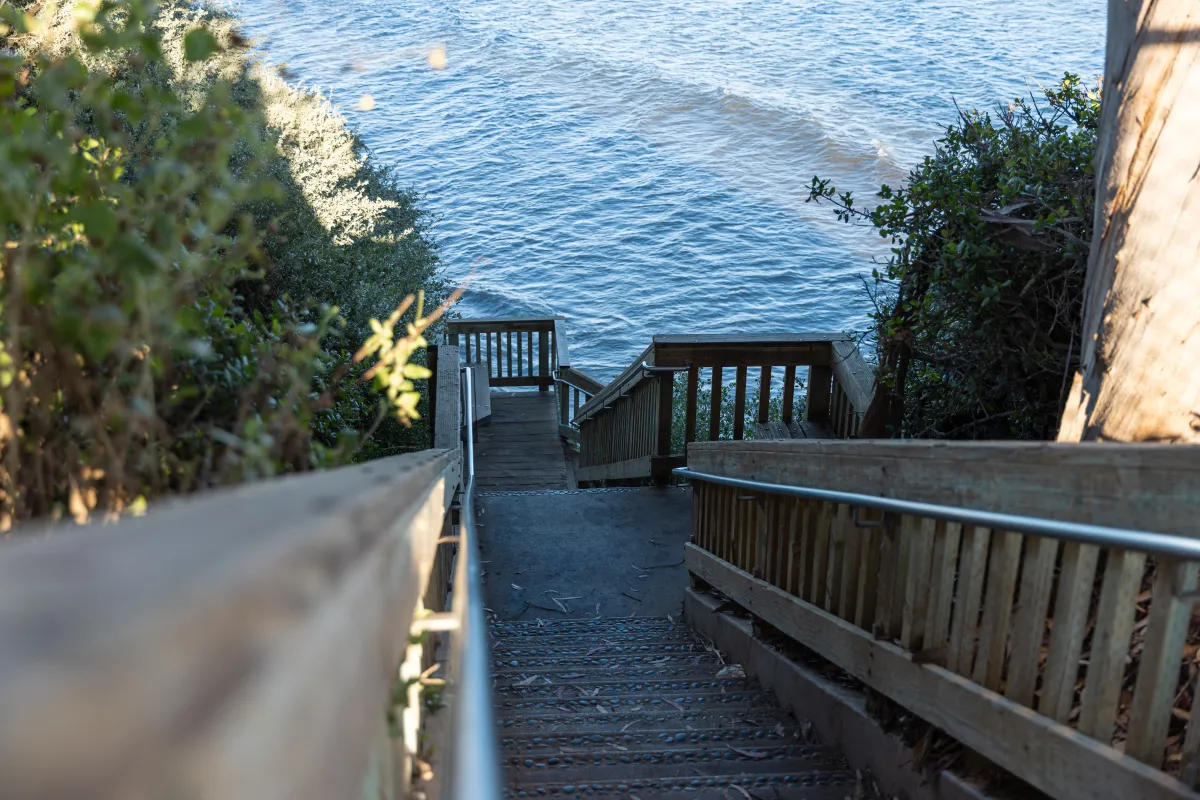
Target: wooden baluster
(1003,565)
(488,340)
(666,403)
(947,536)
(868,578)
(510,353)
(478,349)
(764,395)
(543,357)
(1029,620)
(965,626)
(762,539)
(739,404)
(917,533)
(467,349)
(820,559)
(1110,644)
(887,577)
(793,516)
(1158,673)
(693,390)
(789,392)
(837,556)
(1066,637)
(808,512)
(714,419)
(851,565)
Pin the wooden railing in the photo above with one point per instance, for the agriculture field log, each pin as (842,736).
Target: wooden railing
(251,642)
(626,428)
(526,352)
(1068,664)
(517,351)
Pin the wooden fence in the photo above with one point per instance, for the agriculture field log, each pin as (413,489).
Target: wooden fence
(250,642)
(626,428)
(1066,664)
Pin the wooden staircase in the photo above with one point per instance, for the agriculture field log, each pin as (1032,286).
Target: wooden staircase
(643,708)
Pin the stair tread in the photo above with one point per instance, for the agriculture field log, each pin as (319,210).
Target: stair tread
(832,785)
(545,687)
(634,738)
(621,707)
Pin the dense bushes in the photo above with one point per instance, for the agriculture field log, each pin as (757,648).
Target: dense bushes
(977,311)
(191,253)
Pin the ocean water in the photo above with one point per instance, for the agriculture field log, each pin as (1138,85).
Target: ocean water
(642,167)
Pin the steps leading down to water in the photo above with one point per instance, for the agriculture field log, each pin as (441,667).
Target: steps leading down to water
(640,708)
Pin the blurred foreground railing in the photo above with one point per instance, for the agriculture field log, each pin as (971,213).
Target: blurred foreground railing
(255,642)
(1034,601)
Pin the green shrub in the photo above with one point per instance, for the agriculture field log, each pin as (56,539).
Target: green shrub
(977,310)
(168,322)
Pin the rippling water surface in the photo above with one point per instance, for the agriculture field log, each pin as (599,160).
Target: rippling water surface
(641,167)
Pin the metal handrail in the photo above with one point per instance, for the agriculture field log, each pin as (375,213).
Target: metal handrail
(475,756)
(1161,544)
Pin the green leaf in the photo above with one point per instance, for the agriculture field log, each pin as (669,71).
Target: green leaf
(200,44)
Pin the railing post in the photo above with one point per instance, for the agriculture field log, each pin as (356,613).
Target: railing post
(820,394)
(543,358)
(447,416)
(660,467)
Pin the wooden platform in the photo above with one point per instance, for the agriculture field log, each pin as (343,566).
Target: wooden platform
(519,449)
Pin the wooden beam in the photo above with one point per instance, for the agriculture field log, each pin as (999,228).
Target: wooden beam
(749,350)
(633,469)
(1137,486)
(241,643)
(854,374)
(1046,754)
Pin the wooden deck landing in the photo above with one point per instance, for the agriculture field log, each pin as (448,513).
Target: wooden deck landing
(519,449)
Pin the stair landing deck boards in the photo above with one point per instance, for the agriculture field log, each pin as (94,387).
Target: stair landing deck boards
(519,449)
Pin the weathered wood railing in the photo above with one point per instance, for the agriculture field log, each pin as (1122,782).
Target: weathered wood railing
(626,428)
(529,352)
(1051,656)
(517,351)
(251,642)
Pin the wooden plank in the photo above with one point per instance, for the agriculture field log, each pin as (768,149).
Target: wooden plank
(965,626)
(543,354)
(562,353)
(764,395)
(693,390)
(663,408)
(494,324)
(837,556)
(793,521)
(919,533)
(642,467)
(1051,757)
(228,631)
(714,412)
(1066,637)
(1162,656)
(868,579)
(888,547)
(1003,566)
(1110,643)
(509,350)
(789,392)
(623,384)
(750,350)
(580,380)
(1029,619)
(820,385)
(851,564)
(447,416)
(1138,486)
(944,567)
(820,554)
(853,374)
(739,403)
